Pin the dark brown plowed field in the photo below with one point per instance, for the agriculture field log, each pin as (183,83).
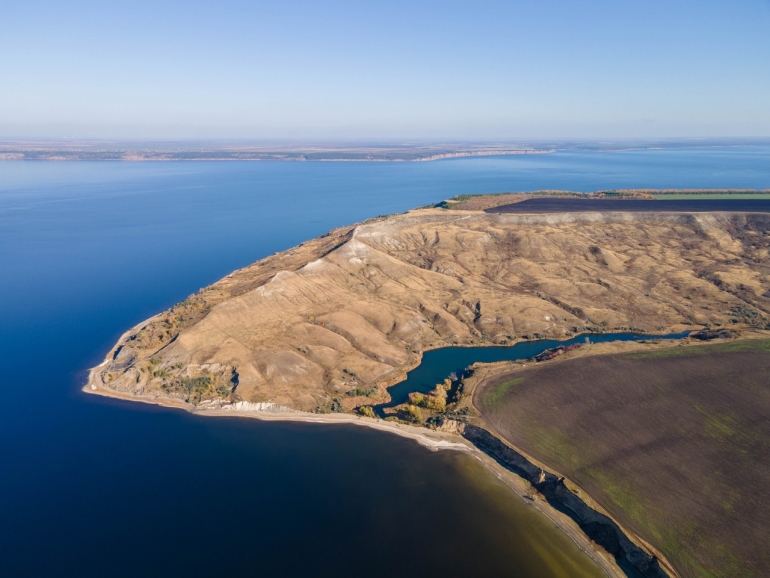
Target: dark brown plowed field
(674,443)
(560,205)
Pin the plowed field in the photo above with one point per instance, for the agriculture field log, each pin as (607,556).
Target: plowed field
(674,443)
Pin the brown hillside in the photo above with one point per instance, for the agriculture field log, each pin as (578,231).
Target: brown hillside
(355,309)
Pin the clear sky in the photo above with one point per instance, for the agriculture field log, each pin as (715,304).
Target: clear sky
(392,69)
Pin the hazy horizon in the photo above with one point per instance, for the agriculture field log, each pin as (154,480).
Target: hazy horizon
(387,143)
(345,71)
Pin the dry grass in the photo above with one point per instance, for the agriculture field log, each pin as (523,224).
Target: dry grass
(355,309)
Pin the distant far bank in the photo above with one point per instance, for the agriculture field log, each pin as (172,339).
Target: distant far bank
(72,155)
(85,150)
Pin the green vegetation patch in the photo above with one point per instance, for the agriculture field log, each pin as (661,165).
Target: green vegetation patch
(495,397)
(553,442)
(195,384)
(718,426)
(361,392)
(624,496)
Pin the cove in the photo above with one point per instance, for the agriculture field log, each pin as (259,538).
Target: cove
(439,364)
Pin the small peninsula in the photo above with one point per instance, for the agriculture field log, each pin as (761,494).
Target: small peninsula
(320,331)
(352,311)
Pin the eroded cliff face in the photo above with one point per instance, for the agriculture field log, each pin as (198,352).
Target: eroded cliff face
(339,318)
(633,559)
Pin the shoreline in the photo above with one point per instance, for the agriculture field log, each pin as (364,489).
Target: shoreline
(429,439)
(159,156)
(664,563)
(433,440)
(132,151)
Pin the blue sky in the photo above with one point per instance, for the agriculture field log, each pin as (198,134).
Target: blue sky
(385,70)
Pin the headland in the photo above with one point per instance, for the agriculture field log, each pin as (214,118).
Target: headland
(319,332)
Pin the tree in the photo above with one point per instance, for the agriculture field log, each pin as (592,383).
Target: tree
(414,413)
(366,411)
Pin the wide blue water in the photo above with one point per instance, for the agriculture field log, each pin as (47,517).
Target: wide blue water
(95,487)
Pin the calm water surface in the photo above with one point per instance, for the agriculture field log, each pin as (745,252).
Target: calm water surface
(95,487)
(438,364)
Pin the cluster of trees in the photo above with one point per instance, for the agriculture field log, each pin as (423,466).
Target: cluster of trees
(434,402)
(431,402)
(334,406)
(361,392)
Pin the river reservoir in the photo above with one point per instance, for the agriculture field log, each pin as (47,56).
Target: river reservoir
(94,487)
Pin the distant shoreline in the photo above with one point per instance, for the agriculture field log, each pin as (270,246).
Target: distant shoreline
(238,156)
(146,151)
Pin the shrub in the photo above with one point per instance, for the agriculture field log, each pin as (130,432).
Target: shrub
(337,406)
(195,384)
(360,392)
(743,312)
(223,391)
(413,413)
(366,411)
(435,421)
(437,404)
